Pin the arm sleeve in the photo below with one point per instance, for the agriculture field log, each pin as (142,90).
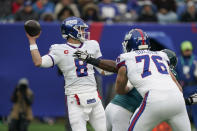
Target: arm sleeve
(120,61)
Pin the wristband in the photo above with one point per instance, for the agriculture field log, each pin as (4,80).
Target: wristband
(33,47)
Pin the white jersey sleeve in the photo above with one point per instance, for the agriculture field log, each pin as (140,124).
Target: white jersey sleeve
(47,61)
(52,58)
(120,61)
(55,54)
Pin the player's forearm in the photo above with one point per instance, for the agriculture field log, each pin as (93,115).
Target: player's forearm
(102,72)
(121,87)
(37,60)
(121,82)
(108,65)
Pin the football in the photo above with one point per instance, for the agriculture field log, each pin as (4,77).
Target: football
(32,27)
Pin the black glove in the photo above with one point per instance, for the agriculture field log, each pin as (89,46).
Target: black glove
(191,100)
(188,101)
(82,55)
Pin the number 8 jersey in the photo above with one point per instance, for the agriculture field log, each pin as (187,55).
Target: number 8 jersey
(147,71)
(78,75)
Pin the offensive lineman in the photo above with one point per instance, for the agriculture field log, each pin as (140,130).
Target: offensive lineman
(121,108)
(149,73)
(105,64)
(80,85)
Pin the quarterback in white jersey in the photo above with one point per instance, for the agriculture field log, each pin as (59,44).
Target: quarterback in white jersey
(76,73)
(149,73)
(83,100)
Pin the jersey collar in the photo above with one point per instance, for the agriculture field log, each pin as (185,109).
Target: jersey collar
(74,46)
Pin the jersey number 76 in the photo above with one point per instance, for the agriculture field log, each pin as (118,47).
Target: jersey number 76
(146,72)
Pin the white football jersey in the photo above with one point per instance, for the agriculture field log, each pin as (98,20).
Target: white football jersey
(148,71)
(78,75)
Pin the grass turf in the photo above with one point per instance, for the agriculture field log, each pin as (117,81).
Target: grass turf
(39,127)
(36,126)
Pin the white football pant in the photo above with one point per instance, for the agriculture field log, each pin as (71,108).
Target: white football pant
(117,117)
(79,115)
(169,107)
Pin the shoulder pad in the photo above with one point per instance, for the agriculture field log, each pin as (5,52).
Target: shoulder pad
(91,42)
(56,46)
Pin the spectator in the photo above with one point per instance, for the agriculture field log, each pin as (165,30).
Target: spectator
(131,14)
(167,5)
(132,5)
(190,15)
(82,3)
(66,3)
(147,14)
(21,113)
(108,11)
(16,5)
(26,13)
(187,73)
(4,10)
(65,13)
(48,17)
(42,6)
(167,9)
(90,13)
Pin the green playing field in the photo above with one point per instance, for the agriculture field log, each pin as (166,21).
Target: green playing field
(36,126)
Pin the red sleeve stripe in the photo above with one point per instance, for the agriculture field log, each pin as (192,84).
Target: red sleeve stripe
(121,64)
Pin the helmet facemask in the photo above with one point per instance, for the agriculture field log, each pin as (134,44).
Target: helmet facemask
(82,34)
(124,46)
(125,42)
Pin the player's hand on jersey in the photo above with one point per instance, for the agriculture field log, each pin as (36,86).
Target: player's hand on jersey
(192,99)
(81,55)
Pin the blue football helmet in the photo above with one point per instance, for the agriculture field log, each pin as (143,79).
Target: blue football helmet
(75,28)
(136,39)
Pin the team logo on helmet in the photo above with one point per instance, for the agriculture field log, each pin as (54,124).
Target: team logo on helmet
(75,28)
(135,39)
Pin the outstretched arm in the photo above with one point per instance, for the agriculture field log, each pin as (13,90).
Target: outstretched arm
(44,61)
(121,81)
(37,60)
(107,65)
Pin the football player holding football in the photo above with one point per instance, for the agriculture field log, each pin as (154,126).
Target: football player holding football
(83,100)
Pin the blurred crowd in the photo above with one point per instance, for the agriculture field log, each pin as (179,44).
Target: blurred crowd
(162,11)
